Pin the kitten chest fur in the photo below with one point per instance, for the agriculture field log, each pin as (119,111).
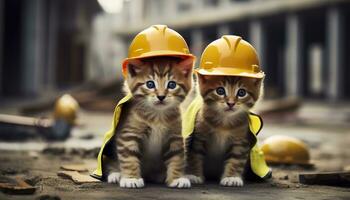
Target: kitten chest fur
(152,163)
(220,140)
(153,144)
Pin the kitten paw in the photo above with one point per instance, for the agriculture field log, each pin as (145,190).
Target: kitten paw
(195,179)
(180,183)
(232,181)
(113,177)
(131,183)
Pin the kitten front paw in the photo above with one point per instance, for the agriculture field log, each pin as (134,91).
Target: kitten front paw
(195,179)
(113,177)
(180,183)
(131,183)
(232,181)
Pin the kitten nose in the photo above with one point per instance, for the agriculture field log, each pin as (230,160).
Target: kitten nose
(230,104)
(161,98)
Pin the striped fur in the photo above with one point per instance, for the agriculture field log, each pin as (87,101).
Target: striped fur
(220,144)
(149,143)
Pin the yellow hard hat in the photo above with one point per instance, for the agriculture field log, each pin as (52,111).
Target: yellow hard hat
(157,40)
(230,56)
(66,108)
(280,149)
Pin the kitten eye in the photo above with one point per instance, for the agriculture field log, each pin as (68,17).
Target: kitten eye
(220,91)
(241,93)
(150,84)
(171,84)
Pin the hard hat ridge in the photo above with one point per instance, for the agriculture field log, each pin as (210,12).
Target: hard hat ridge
(230,55)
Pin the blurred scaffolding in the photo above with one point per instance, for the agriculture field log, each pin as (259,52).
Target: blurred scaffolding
(52,44)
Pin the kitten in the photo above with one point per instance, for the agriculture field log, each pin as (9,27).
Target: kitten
(220,144)
(148,140)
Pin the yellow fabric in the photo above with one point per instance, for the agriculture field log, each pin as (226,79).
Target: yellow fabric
(230,56)
(257,160)
(109,134)
(157,40)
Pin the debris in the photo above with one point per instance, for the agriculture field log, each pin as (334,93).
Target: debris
(284,177)
(278,106)
(99,95)
(85,153)
(87,136)
(66,154)
(9,171)
(48,197)
(77,177)
(19,128)
(280,185)
(326,178)
(15,186)
(54,150)
(33,154)
(33,179)
(75,167)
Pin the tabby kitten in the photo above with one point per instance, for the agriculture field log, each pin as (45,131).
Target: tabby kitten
(220,144)
(148,142)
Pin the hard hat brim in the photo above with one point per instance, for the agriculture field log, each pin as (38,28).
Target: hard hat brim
(277,161)
(223,71)
(155,54)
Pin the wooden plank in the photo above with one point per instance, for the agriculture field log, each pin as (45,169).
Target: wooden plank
(326,178)
(77,177)
(15,186)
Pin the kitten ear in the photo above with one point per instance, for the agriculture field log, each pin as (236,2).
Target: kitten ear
(134,67)
(186,66)
(258,81)
(202,79)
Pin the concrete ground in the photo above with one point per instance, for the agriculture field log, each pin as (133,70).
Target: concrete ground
(38,162)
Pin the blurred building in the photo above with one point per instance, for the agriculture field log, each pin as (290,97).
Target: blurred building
(302,43)
(56,43)
(43,44)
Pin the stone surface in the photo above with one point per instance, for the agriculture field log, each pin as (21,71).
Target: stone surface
(328,146)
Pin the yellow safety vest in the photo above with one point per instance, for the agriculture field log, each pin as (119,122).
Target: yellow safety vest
(108,136)
(258,164)
(257,160)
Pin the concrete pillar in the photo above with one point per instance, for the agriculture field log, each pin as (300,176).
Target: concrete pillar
(32,58)
(170,9)
(294,58)
(223,29)
(136,11)
(197,42)
(53,19)
(335,51)
(257,39)
(1,40)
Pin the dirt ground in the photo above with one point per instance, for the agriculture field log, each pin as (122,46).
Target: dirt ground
(38,163)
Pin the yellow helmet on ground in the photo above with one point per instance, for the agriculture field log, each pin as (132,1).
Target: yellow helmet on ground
(157,40)
(230,56)
(66,108)
(280,149)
